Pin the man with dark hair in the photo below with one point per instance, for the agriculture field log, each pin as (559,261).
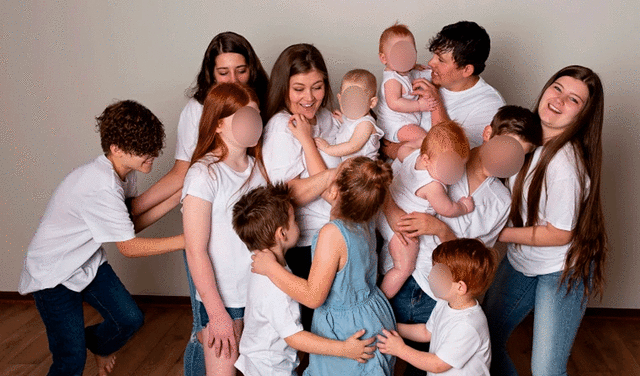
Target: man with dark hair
(460,51)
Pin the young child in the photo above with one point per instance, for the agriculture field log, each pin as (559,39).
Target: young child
(342,281)
(65,262)
(358,134)
(226,163)
(420,185)
(457,329)
(264,219)
(399,112)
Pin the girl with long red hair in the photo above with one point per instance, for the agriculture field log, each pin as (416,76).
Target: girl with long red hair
(226,164)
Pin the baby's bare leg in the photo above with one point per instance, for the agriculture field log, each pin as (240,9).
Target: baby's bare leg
(413,134)
(404,263)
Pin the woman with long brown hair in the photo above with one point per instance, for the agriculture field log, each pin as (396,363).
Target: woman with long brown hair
(556,241)
(298,107)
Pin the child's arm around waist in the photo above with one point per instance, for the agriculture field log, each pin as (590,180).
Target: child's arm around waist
(352,347)
(391,343)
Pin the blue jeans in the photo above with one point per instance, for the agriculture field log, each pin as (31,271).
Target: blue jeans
(61,312)
(557,316)
(194,352)
(412,305)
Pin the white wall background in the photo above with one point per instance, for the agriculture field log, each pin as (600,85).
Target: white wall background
(62,62)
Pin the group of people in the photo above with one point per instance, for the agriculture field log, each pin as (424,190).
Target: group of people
(280,220)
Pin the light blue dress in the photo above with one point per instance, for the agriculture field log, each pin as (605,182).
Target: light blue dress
(354,303)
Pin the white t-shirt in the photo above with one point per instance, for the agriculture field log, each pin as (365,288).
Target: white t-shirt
(188,127)
(461,339)
(223,186)
(559,202)
(86,210)
(284,160)
(391,121)
(473,108)
(270,316)
(348,127)
(492,205)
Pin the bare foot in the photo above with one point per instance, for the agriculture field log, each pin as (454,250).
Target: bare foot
(105,364)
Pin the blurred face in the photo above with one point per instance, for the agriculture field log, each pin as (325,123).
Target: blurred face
(235,135)
(560,104)
(399,53)
(354,100)
(444,70)
(306,92)
(231,67)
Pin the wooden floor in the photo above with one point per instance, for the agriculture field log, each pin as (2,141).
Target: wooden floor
(604,346)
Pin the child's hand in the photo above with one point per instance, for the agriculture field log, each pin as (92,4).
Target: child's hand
(300,127)
(357,349)
(337,115)
(468,203)
(262,261)
(390,342)
(219,335)
(321,143)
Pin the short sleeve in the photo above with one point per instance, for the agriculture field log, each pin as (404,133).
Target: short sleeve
(285,316)
(106,216)
(200,182)
(188,126)
(562,194)
(281,151)
(459,345)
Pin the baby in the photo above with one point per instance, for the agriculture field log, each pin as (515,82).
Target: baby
(457,329)
(264,219)
(420,184)
(399,112)
(358,134)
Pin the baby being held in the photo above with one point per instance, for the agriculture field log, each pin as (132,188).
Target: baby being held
(399,111)
(420,185)
(358,134)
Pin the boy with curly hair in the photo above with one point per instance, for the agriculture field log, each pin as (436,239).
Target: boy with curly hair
(65,262)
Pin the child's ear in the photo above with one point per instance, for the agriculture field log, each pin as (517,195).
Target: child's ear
(461,289)
(383,59)
(115,150)
(338,96)
(281,235)
(487,133)
(373,102)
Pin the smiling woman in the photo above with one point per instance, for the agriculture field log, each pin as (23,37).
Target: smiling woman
(297,104)
(557,245)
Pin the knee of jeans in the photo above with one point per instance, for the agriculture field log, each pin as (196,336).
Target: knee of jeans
(133,320)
